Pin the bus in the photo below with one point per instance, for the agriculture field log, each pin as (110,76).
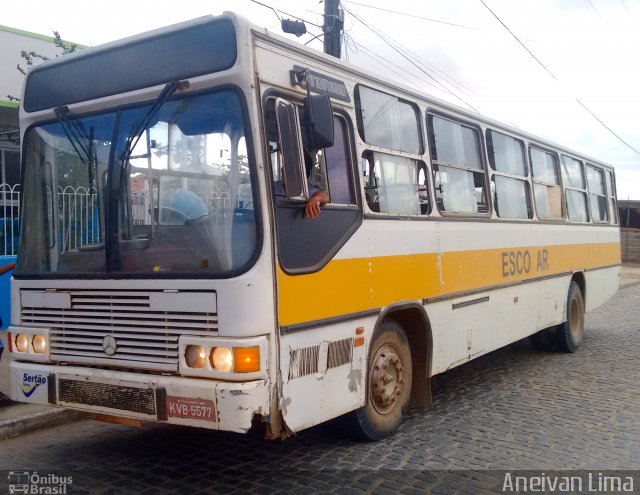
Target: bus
(184,283)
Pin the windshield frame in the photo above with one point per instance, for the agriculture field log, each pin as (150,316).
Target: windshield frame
(111,213)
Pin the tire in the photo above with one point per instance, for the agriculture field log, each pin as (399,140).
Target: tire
(389,376)
(569,335)
(544,340)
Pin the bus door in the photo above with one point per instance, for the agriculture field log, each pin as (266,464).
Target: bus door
(318,359)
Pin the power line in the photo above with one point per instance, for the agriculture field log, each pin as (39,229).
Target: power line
(275,11)
(458,85)
(402,72)
(403,52)
(521,43)
(556,79)
(594,8)
(625,7)
(400,49)
(314,38)
(414,16)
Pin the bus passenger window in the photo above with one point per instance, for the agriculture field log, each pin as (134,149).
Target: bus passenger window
(546,184)
(577,206)
(391,184)
(611,193)
(387,121)
(423,188)
(572,173)
(575,189)
(457,167)
(510,188)
(597,194)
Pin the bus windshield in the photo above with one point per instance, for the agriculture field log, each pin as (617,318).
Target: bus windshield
(140,191)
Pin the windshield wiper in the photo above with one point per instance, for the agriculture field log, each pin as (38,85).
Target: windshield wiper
(137,129)
(76,134)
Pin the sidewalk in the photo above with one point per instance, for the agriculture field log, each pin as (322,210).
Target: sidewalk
(629,275)
(17,418)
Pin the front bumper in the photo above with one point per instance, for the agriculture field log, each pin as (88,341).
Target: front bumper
(177,400)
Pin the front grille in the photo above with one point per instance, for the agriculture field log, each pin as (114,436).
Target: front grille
(144,338)
(132,399)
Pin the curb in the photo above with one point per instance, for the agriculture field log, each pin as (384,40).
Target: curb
(36,420)
(630,284)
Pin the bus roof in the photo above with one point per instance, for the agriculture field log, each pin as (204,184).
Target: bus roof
(245,26)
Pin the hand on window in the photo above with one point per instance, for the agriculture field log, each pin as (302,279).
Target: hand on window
(318,199)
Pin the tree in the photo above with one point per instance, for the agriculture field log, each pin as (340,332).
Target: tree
(33,58)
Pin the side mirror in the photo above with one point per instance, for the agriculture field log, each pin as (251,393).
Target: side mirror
(318,121)
(295,183)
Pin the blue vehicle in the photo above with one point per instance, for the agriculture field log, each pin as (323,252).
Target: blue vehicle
(5,296)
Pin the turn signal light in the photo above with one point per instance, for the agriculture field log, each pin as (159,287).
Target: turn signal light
(246,359)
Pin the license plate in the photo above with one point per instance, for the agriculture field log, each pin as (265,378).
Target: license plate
(186,407)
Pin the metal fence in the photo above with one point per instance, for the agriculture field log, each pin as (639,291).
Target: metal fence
(9,222)
(78,215)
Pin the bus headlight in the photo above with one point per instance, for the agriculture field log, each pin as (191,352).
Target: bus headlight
(29,343)
(229,359)
(194,356)
(222,359)
(22,342)
(39,344)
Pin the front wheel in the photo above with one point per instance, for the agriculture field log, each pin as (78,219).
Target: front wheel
(388,384)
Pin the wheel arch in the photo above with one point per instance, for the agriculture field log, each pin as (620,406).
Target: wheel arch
(578,277)
(414,321)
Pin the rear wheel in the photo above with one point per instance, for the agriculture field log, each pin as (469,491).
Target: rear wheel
(544,340)
(388,384)
(569,334)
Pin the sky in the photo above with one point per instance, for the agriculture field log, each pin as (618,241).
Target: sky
(575,81)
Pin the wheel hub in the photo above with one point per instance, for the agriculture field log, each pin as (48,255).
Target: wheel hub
(387,377)
(575,323)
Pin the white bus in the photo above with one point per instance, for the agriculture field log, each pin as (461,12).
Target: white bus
(188,287)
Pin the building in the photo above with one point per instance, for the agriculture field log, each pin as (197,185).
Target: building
(12,43)
(630,230)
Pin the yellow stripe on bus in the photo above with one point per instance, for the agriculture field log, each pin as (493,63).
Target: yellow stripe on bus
(346,286)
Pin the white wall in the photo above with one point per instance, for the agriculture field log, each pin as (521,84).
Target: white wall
(12,42)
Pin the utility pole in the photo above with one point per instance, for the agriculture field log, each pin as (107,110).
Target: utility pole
(333,24)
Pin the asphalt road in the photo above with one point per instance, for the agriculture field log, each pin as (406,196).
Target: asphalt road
(512,409)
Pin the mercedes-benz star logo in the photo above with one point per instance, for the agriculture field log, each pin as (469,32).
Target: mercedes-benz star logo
(109,345)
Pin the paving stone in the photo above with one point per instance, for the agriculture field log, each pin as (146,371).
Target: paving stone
(515,408)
